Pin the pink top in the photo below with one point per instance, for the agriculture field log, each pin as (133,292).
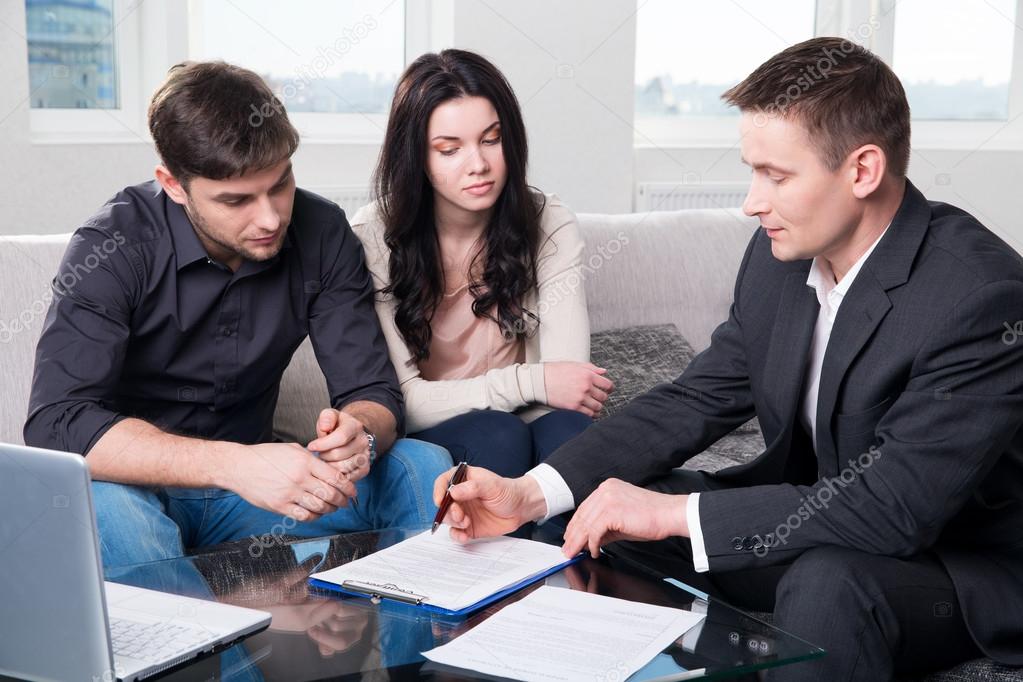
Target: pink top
(465,346)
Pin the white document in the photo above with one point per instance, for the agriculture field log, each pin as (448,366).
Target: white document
(445,573)
(559,634)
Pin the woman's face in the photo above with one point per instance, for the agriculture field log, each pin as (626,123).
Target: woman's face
(465,159)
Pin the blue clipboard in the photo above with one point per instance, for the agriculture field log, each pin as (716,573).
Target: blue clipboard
(395,593)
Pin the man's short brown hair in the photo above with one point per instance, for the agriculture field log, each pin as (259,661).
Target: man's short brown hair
(216,121)
(843,94)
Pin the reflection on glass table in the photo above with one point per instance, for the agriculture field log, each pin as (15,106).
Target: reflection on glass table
(318,635)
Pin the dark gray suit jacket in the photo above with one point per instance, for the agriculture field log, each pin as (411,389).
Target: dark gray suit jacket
(919,445)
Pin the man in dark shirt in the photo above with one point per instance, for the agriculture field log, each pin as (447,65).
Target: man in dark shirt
(176,310)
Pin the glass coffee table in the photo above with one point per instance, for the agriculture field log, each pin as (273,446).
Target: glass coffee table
(316,635)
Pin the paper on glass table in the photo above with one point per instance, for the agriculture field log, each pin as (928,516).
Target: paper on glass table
(559,634)
(447,574)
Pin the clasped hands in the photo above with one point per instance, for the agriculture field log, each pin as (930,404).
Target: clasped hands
(487,505)
(305,483)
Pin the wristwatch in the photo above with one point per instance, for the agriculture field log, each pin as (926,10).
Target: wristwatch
(372,445)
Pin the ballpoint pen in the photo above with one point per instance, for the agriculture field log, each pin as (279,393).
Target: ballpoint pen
(460,473)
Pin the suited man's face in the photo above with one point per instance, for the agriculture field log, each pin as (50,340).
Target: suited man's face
(806,209)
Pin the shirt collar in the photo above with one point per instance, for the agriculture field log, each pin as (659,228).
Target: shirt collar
(187,247)
(822,278)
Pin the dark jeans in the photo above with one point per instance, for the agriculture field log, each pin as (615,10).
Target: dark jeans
(876,616)
(501,441)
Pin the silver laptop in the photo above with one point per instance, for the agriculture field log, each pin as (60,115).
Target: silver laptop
(60,620)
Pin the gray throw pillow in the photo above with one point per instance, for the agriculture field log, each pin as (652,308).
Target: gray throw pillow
(639,358)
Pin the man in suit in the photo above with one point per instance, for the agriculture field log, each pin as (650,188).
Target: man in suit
(868,333)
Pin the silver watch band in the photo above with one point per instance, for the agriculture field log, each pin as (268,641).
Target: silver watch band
(372,445)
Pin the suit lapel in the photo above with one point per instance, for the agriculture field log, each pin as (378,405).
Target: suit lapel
(863,309)
(858,318)
(787,354)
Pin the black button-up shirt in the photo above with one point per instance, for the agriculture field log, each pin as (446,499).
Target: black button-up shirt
(144,324)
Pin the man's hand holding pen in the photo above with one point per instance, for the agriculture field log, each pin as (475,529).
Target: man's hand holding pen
(442,508)
(488,505)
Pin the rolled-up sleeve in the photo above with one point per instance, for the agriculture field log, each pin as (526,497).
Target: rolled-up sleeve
(82,347)
(345,331)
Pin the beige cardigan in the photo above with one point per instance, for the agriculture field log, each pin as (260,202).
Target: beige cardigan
(562,334)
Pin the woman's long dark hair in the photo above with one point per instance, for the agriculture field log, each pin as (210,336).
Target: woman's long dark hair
(406,201)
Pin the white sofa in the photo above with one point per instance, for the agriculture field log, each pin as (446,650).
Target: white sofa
(654,268)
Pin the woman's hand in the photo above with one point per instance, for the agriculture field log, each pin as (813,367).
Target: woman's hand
(579,386)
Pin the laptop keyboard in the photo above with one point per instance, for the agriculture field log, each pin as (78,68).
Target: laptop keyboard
(154,642)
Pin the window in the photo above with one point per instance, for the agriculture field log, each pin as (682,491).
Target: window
(955,58)
(95,63)
(71,57)
(319,56)
(958,62)
(688,52)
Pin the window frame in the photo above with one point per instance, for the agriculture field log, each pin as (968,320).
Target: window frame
(843,18)
(120,124)
(959,134)
(151,36)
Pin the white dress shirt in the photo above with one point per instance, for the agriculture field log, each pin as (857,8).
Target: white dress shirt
(830,295)
(559,497)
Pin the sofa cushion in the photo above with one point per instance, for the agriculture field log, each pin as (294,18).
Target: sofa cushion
(28,264)
(638,358)
(663,267)
(977,670)
(641,357)
(303,395)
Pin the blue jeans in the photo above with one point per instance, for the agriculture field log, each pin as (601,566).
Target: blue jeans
(501,441)
(139,524)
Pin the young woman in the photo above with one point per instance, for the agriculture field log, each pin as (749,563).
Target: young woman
(478,277)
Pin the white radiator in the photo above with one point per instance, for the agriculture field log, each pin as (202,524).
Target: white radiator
(668,196)
(351,198)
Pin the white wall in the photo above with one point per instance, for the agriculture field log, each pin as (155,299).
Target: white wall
(571,63)
(48,188)
(572,70)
